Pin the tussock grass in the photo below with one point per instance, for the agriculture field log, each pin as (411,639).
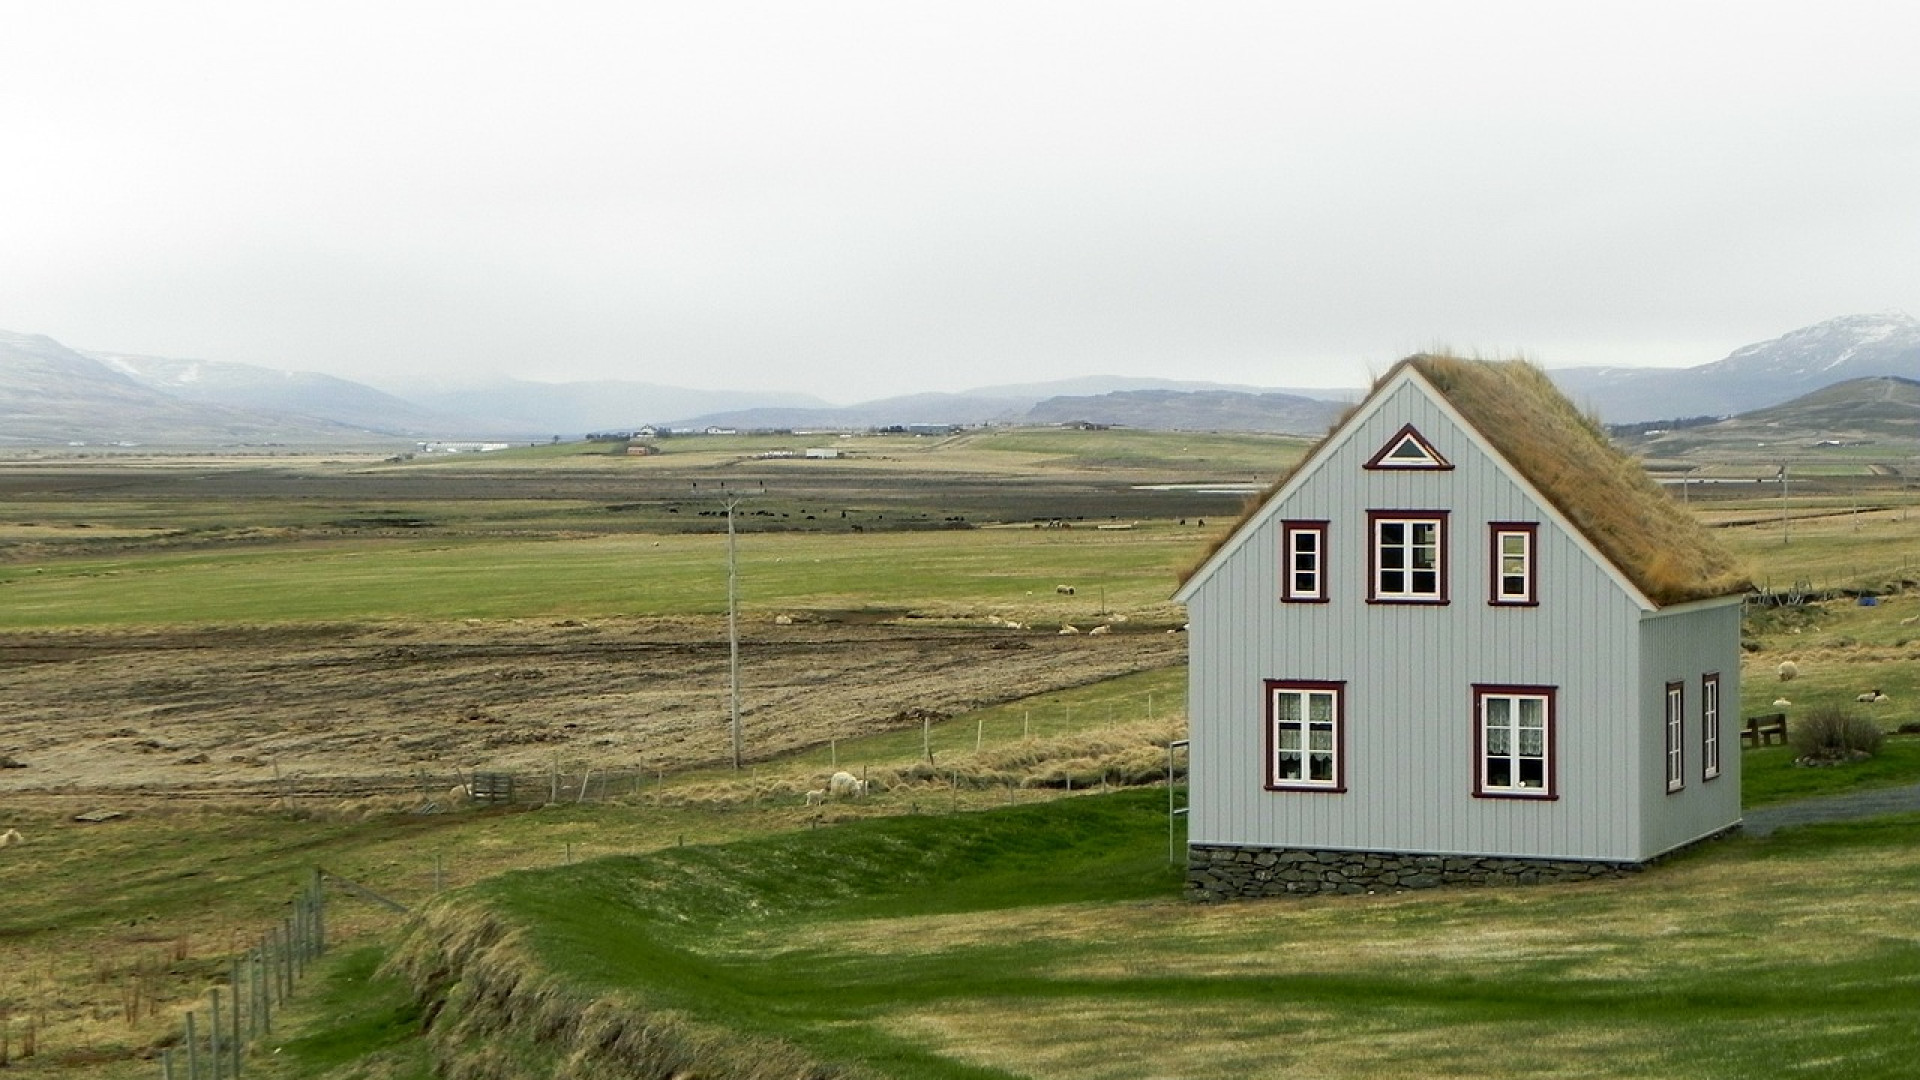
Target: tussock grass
(1047,941)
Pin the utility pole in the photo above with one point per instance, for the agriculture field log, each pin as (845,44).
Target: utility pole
(1784,535)
(733,631)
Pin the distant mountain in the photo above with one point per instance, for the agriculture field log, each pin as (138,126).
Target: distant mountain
(518,409)
(305,393)
(1755,376)
(1159,404)
(50,394)
(1194,410)
(1882,409)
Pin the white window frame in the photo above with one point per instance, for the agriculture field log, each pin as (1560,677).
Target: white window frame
(1408,552)
(1319,762)
(1292,533)
(1503,765)
(1676,728)
(1710,726)
(1503,573)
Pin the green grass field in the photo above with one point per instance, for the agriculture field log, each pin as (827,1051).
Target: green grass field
(1050,941)
(921,934)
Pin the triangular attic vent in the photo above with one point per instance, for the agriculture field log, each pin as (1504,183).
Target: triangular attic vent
(1408,449)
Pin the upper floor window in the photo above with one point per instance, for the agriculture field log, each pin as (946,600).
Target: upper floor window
(1408,449)
(1305,736)
(1710,726)
(1304,577)
(1407,556)
(1513,574)
(1676,734)
(1513,742)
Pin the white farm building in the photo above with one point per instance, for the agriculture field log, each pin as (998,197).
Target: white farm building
(1465,640)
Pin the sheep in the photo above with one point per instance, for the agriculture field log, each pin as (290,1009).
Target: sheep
(1063,590)
(846,785)
(459,793)
(1781,703)
(1069,628)
(1787,670)
(1871,697)
(1101,630)
(11,837)
(816,796)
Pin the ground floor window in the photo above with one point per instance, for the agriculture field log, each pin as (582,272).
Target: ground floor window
(1710,726)
(1513,742)
(1676,735)
(1305,735)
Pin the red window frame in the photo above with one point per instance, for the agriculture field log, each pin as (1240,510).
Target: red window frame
(1290,532)
(1381,459)
(1337,782)
(1550,750)
(1497,594)
(1437,518)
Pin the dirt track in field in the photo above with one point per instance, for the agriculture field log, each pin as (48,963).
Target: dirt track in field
(359,708)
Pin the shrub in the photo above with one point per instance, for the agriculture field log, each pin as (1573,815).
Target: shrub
(1831,733)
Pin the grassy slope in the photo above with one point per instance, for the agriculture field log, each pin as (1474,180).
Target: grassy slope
(1048,941)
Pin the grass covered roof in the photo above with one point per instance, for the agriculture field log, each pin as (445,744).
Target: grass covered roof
(1652,540)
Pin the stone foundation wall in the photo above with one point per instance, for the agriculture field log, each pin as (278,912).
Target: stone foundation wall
(1223,873)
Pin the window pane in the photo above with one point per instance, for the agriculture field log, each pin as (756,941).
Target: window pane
(1392,533)
(1513,585)
(1289,767)
(1533,742)
(1425,533)
(1290,737)
(1303,582)
(1320,708)
(1533,712)
(1499,741)
(1393,581)
(1533,773)
(1426,582)
(1499,772)
(1286,707)
(1320,738)
(1322,768)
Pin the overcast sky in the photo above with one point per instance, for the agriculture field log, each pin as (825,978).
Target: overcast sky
(857,200)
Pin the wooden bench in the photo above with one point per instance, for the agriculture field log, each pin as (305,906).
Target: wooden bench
(1765,730)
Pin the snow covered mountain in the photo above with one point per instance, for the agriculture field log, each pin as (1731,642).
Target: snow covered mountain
(1753,376)
(306,393)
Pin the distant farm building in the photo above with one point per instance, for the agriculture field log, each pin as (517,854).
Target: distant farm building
(1465,640)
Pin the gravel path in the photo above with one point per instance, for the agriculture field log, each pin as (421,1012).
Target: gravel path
(1858,804)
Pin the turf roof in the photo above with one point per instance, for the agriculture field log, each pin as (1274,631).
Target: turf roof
(1653,541)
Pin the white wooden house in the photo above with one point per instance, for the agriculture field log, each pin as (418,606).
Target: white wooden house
(1465,640)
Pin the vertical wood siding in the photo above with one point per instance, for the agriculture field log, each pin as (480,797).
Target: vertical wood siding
(1410,670)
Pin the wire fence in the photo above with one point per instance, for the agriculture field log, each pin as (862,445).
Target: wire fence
(239,1012)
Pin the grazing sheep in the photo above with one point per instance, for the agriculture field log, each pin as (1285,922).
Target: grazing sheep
(1781,703)
(783,620)
(845,785)
(11,837)
(1871,697)
(816,796)
(1063,590)
(1787,670)
(1101,630)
